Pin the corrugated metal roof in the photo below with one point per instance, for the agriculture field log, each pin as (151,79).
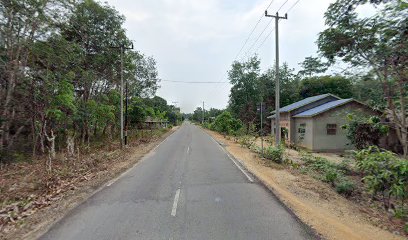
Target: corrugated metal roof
(304,102)
(323,108)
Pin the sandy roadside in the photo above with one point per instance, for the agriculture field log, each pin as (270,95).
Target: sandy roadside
(316,204)
(37,224)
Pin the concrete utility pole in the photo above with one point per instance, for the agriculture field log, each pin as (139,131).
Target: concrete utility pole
(277,88)
(123,134)
(203,114)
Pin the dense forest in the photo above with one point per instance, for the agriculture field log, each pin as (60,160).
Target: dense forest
(60,70)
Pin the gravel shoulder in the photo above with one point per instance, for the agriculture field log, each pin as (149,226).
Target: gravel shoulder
(315,203)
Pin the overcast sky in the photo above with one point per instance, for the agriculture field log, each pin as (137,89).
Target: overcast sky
(197,40)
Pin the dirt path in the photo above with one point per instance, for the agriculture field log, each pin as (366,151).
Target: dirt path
(77,191)
(315,203)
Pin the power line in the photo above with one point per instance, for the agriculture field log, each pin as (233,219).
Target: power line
(293,6)
(205,82)
(281,6)
(259,36)
(252,31)
(266,38)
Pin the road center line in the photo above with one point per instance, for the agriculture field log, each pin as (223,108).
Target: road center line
(176,198)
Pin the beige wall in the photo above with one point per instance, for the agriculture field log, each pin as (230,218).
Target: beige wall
(304,140)
(338,116)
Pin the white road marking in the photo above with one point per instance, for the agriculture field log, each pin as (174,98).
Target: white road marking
(176,198)
(232,159)
(188,149)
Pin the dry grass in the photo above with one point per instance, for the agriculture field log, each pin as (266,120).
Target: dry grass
(31,198)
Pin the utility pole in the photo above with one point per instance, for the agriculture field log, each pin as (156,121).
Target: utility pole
(262,148)
(261,110)
(175,107)
(277,88)
(123,135)
(203,113)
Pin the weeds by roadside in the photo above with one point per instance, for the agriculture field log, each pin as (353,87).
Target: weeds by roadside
(26,187)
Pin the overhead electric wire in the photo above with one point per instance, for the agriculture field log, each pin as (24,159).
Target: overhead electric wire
(252,31)
(266,38)
(282,5)
(257,39)
(270,32)
(175,81)
(292,6)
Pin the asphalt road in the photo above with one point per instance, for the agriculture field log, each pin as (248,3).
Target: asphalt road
(187,188)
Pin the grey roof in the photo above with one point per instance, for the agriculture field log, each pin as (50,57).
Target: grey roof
(272,116)
(304,102)
(323,108)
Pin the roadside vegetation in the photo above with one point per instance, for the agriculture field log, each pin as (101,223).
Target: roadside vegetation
(60,72)
(373,174)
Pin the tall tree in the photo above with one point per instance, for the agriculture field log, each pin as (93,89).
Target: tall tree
(337,85)
(245,94)
(380,43)
(312,65)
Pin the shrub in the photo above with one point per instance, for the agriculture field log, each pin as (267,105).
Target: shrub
(363,132)
(345,187)
(275,153)
(247,141)
(384,174)
(328,172)
(331,175)
(226,124)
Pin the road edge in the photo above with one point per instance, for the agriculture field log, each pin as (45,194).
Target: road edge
(309,229)
(42,229)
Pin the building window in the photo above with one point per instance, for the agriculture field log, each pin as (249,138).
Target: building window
(331,129)
(302,128)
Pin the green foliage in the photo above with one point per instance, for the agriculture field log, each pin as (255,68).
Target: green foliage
(337,85)
(345,187)
(275,154)
(364,131)
(63,74)
(328,172)
(384,174)
(247,141)
(245,92)
(226,124)
(312,65)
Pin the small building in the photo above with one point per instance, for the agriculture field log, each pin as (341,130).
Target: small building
(316,122)
(154,123)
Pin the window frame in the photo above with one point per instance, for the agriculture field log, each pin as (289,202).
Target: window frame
(331,129)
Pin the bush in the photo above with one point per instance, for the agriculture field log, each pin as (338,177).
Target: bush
(345,187)
(384,174)
(363,132)
(247,141)
(275,153)
(328,172)
(331,175)
(226,124)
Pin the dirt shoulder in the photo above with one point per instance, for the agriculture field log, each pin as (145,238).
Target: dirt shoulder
(34,214)
(314,202)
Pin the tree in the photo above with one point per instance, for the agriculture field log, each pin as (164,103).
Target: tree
(379,43)
(226,124)
(18,31)
(245,94)
(337,85)
(312,65)
(59,74)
